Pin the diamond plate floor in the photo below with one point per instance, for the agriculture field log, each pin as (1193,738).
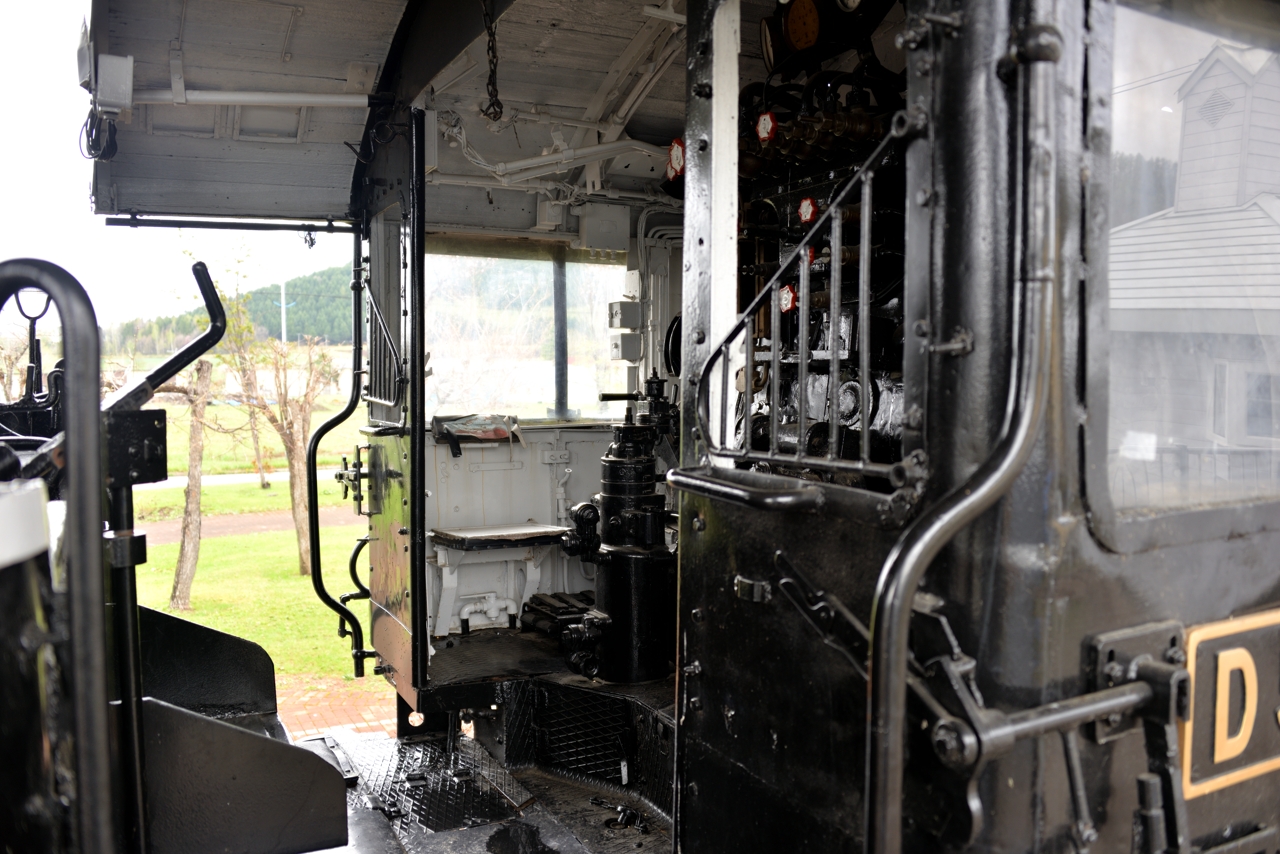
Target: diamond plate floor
(467,803)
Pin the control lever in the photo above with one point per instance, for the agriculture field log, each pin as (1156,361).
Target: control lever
(659,411)
(139,393)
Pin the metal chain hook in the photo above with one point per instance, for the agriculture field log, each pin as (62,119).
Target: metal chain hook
(492,110)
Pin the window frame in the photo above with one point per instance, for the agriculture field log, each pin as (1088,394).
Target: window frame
(1221,395)
(1154,527)
(527,250)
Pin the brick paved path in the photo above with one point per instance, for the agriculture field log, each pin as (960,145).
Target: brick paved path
(310,705)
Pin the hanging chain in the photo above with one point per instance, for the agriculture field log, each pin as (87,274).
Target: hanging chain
(492,110)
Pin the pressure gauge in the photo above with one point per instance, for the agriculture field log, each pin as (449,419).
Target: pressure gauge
(768,31)
(800,24)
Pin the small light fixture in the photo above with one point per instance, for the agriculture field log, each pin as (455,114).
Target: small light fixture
(1166,109)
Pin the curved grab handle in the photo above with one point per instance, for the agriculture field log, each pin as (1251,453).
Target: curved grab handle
(345,617)
(142,391)
(805,499)
(86,666)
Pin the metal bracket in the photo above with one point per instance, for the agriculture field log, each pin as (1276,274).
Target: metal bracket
(961,344)
(1113,660)
(752,591)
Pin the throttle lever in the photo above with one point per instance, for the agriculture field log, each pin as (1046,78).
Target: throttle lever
(139,393)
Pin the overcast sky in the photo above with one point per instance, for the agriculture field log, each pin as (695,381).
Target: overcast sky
(1146,114)
(44,191)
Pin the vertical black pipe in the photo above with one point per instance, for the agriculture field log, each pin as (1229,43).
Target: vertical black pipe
(358,652)
(560,307)
(128,658)
(417,421)
(87,667)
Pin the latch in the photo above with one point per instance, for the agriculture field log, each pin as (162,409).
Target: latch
(350,476)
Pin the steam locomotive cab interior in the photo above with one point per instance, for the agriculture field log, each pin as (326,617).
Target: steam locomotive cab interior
(846,425)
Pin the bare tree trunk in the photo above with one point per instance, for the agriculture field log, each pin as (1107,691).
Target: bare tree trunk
(296,454)
(257,449)
(189,551)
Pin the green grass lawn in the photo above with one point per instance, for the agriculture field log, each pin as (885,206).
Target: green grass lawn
(227,453)
(154,505)
(249,586)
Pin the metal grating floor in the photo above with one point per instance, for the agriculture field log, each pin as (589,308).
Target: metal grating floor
(468,803)
(421,789)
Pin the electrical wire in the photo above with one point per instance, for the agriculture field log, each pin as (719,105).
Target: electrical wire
(97,137)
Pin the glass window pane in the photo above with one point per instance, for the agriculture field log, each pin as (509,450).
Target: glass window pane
(490,330)
(1194,267)
(589,288)
(1220,400)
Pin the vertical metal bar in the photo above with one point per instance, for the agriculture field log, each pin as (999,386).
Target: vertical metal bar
(748,377)
(559,300)
(128,659)
(724,391)
(864,320)
(775,357)
(833,336)
(417,420)
(802,351)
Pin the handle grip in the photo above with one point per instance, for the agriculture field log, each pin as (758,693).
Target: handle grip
(805,499)
(606,396)
(142,391)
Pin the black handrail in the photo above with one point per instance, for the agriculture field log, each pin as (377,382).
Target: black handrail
(358,652)
(145,389)
(911,556)
(361,592)
(82,535)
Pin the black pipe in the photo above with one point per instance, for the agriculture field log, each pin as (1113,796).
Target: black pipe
(417,420)
(358,652)
(559,301)
(327,228)
(87,670)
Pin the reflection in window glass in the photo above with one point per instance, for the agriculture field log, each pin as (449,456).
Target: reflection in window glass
(490,329)
(1194,267)
(1260,416)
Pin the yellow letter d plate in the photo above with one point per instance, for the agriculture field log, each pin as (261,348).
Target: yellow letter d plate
(1233,733)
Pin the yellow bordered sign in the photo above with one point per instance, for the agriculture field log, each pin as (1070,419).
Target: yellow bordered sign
(1233,731)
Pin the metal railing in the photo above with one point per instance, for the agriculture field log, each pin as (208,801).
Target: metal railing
(740,338)
(386,369)
(1181,476)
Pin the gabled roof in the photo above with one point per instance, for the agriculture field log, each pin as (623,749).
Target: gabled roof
(1245,62)
(1217,259)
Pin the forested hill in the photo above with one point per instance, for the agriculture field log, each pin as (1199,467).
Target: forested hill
(319,306)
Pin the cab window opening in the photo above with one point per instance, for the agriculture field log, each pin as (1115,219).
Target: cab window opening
(491,332)
(1194,265)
